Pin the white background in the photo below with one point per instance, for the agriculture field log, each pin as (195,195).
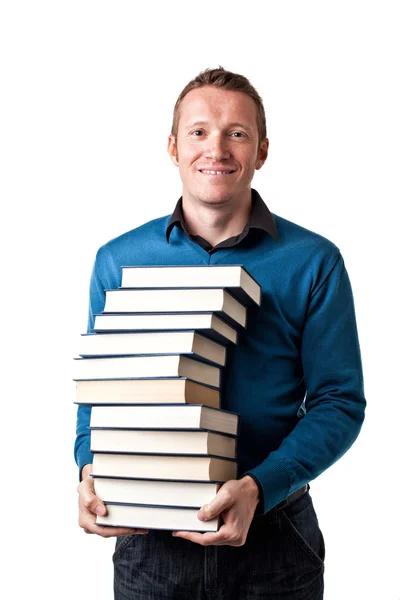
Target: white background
(87,95)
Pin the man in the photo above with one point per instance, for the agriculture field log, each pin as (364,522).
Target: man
(301,343)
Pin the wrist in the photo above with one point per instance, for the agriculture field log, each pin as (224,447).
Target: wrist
(260,504)
(251,488)
(86,470)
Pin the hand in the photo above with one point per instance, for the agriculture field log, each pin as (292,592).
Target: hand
(90,506)
(236,502)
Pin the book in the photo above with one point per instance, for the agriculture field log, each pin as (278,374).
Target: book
(162,442)
(178,390)
(156,517)
(155,466)
(176,301)
(165,416)
(155,343)
(206,323)
(233,277)
(143,491)
(143,367)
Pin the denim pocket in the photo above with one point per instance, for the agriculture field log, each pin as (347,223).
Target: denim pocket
(301,523)
(122,544)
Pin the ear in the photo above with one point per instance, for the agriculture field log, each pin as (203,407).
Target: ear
(262,153)
(172,149)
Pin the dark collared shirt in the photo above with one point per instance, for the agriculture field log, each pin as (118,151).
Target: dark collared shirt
(260,218)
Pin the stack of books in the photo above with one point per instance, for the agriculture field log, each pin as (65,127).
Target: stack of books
(151,372)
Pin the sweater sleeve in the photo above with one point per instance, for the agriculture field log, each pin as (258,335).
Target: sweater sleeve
(82,453)
(335,402)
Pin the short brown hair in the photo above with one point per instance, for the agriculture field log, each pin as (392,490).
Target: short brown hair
(227,81)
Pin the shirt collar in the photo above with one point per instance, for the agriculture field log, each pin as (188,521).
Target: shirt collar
(260,217)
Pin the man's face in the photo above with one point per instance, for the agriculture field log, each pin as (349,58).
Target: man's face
(216,148)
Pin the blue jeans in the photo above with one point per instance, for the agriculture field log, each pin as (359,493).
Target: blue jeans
(283,558)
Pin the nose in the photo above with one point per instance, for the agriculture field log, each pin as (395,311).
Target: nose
(217,148)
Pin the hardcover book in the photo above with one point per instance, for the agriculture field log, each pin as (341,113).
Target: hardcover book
(176,301)
(155,343)
(149,441)
(233,277)
(207,323)
(144,491)
(143,367)
(154,466)
(177,390)
(156,517)
(151,416)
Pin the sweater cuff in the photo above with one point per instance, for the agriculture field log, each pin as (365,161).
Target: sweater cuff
(83,457)
(275,480)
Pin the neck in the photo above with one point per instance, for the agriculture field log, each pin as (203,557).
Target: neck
(216,222)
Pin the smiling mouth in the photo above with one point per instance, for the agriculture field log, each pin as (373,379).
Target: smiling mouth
(211,172)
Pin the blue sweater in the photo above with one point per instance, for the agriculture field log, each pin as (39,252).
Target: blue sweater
(302,341)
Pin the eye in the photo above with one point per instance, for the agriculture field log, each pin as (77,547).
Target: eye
(197,133)
(237,134)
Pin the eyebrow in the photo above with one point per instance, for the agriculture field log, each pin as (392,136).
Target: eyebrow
(229,126)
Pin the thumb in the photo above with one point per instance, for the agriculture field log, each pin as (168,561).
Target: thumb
(98,506)
(100,509)
(213,508)
(88,498)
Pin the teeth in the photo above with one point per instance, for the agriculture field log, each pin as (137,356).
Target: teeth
(215,172)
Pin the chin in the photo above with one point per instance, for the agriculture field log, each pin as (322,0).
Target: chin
(212,195)
(215,198)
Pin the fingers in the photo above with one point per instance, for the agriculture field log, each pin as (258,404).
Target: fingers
(107,532)
(88,501)
(90,506)
(226,536)
(204,539)
(230,504)
(221,502)
(88,523)
(87,520)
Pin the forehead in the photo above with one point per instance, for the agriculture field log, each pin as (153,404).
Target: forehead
(211,103)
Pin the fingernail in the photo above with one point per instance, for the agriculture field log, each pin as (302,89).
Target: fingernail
(99,510)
